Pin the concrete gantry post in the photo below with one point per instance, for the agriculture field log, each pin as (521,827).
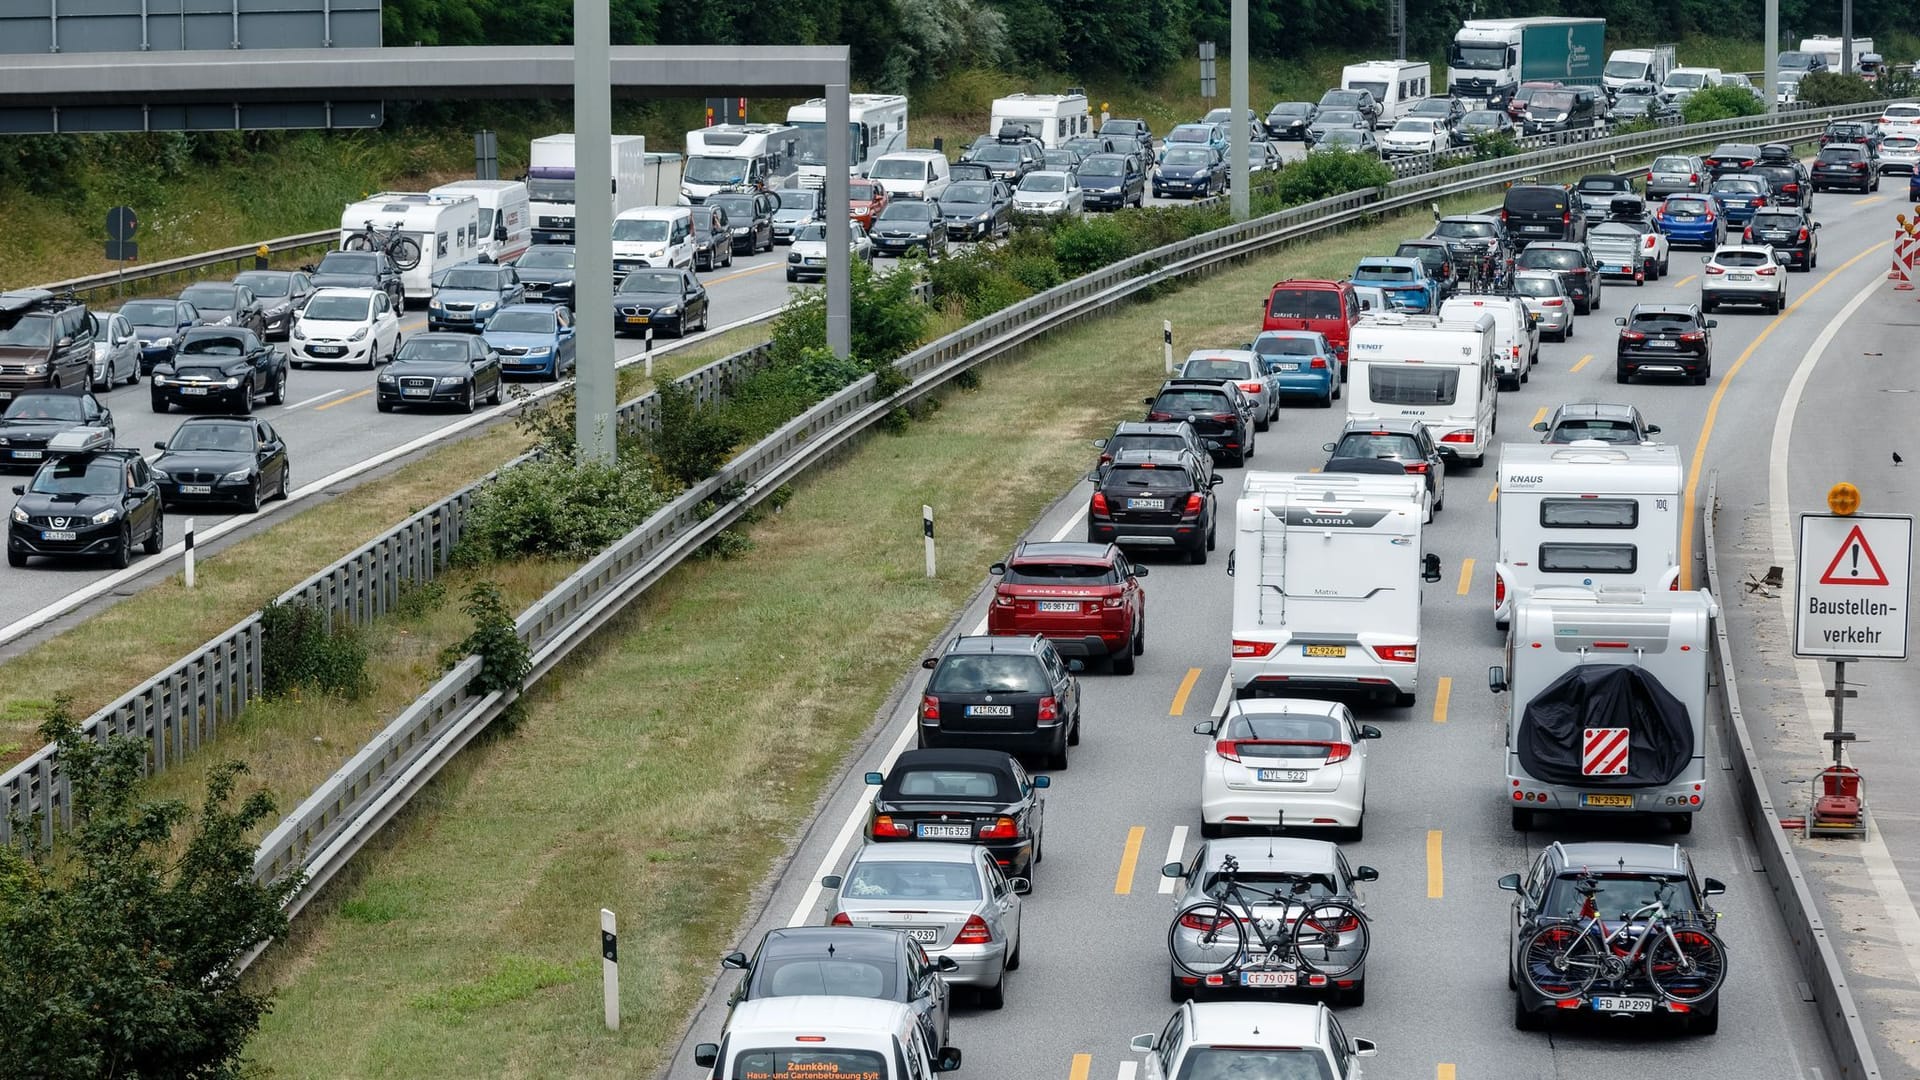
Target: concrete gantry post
(1241,174)
(594,383)
(1770,76)
(834,192)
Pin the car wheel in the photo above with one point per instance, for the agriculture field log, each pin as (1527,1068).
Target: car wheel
(1680,824)
(792,277)
(251,504)
(279,394)
(1333,392)
(382,404)
(160,404)
(1426,508)
(1140,638)
(123,553)
(1177,991)
(245,404)
(1197,555)
(1057,759)
(1520,819)
(286,480)
(16,559)
(473,398)
(1706,1023)
(1263,423)
(1355,995)
(1568,332)
(995,996)
(157,536)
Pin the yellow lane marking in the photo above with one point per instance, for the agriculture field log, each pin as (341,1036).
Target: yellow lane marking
(1683,281)
(712,281)
(1868,200)
(1434,889)
(344,400)
(1442,695)
(1584,361)
(1466,575)
(1082,1065)
(1720,392)
(1494,495)
(1443,1072)
(1180,696)
(1539,416)
(1129,859)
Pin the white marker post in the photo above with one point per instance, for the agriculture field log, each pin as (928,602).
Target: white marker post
(649,349)
(610,968)
(1166,340)
(926,527)
(189,548)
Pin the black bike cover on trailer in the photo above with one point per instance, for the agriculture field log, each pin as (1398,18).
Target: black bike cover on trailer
(1553,728)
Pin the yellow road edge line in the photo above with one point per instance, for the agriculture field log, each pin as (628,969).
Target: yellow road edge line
(1434,889)
(1683,281)
(1494,495)
(1180,696)
(1713,411)
(1868,199)
(1584,361)
(1129,861)
(1443,1072)
(1082,1065)
(1441,696)
(1539,416)
(738,274)
(1466,575)
(344,400)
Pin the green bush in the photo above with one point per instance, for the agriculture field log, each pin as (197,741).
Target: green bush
(1494,144)
(558,507)
(975,280)
(1328,173)
(693,440)
(297,652)
(1823,89)
(888,319)
(505,660)
(1721,103)
(1086,244)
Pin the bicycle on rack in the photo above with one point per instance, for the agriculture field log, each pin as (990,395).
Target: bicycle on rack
(404,250)
(1676,951)
(1328,937)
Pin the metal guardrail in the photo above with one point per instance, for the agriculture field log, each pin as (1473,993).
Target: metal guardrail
(240,257)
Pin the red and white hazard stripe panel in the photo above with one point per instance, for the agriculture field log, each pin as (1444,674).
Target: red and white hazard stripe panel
(1605,752)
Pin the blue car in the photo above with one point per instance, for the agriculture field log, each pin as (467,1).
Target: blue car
(1740,194)
(1692,219)
(533,339)
(158,324)
(1404,280)
(1190,172)
(1213,136)
(1302,363)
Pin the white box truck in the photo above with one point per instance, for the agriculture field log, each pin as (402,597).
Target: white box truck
(446,227)
(1326,574)
(1437,370)
(1607,703)
(550,183)
(1589,515)
(727,157)
(1398,85)
(506,217)
(1051,118)
(1649,65)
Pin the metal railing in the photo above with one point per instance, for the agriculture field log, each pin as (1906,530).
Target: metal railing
(235,259)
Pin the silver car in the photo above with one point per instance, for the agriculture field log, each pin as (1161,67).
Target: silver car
(1242,367)
(116,350)
(951,898)
(1307,870)
(1673,173)
(1547,302)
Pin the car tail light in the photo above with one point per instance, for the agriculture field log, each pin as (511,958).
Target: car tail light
(1049,708)
(1789,187)
(1746,164)
(1746,234)
(1003,828)
(1204,923)
(1674,585)
(1500,590)
(1694,179)
(1225,417)
(1338,752)
(1318,363)
(1765,271)
(1251,387)
(1859,166)
(1457,437)
(1158,417)
(1099,508)
(1651,242)
(1227,748)
(1115,601)
(974,933)
(1710,218)
(1693,335)
(1252,649)
(1566,217)
(1344,925)
(840,919)
(1554,303)
(884,825)
(1503,215)
(1417,467)
(1632,335)
(1803,236)
(1001,599)
(1106,459)
(1194,504)
(1399,654)
(1716,270)
(929,707)
(1761,201)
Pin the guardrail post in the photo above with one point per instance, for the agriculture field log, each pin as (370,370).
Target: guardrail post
(926,527)
(188,541)
(1166,342)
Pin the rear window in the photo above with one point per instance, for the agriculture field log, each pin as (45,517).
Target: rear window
(1603,184)
(1210,368)
(1590,513)
(1264,882)
(1361,444)
(1384,272)
(1279,1063)
(1662,320)
(986,673)
(784,1063)
(1683,207)
(1611,431)
(1537,286)
(1842,153)
(1159,478)
(1776,221)
(947,782)
(1617,895)
(888,880)
(1406,384)
(1740,258)
(1588,558)
(1052,573)
(1305,304)
(1429,254)
(1536,200)
(1736,187)
(1286,346)
(1315,731)
(1552,259)
(1672,165)
(1181,402)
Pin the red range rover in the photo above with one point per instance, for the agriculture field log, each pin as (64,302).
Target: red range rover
(1085,598)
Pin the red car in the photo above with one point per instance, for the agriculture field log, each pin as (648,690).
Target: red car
(865,200)
(1085,598)
(1328,307)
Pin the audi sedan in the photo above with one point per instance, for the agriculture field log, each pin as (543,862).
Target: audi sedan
(1280,762)
(440,369)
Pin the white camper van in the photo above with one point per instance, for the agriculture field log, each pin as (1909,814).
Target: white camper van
(1516,337)
(1437,370)
(876,125)
(447,228)
(1586,514)
(506,217)
(1051,118)
(1398,85)
(728,156)
(1326,584)
(1607,703)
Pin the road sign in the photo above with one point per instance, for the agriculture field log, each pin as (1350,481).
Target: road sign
(1854,577)
(121,224)
(122,251)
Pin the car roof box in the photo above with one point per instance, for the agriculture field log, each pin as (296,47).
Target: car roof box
(19,300)
(81,440)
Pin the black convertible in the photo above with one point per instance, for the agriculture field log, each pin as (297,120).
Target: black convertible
(979,797)
(221,366)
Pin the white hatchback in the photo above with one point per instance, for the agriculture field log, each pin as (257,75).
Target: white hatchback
(1252,1039)
(1743,274)
(1900,151)
(1284,762)
(345,326)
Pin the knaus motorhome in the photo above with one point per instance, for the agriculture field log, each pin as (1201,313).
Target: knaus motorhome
(447,228)
(1432,369)
(1051,118)
(1326,584)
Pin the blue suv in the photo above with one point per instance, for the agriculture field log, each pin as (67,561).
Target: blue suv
(1692,219)
(1404,280)
(1302,363)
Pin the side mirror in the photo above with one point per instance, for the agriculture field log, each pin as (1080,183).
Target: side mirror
(705,1054)
(1204,727)
(1173,870)
(1430,567)
(1653,429)
(997,568)
(499,232)
(1711,323)
(1042,782)
(19,489)
(1619,320)
(875,779)
(831,881)
(1541,426)
(1076,665)
(157,446)
(946,964)
(1099,444)
(1216,481)
(930,663)
(1146,401)
(1137,571)
(1365,1048)
(1497,679)
(1713,887)
(949,1059)
(1816,225)
(1143,1044)
(1365,873)
(1021,886)
(1368,731)
(734,961)
(1509,882)
(1706,258)
(1328,447)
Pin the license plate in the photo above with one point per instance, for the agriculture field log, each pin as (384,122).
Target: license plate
(1622,1005)
(925,935)
(989,710)
(57,534)
(1284,776)
(637,320)
(1276,979)
(1337,652)
(1146,504)
(26,455)
(418,391)
(1289,367)
(1657,343)
(196,489)
(1739,277)
(1060,605)
(200,390)
(946,832)
(1533,228)
(6,395)
(1624,802)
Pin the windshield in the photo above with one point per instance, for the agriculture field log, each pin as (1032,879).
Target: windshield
(220,345)
(1216,368)
(1389,445)
(1539,258)
(150,312)
(214,436)
(1182,403)
(1043,182)
(1600,185)
(1292,108)
(1339,118)
(1624,69)
(860,191)
(264,283)
(644,230)
(1279,345)
(920,881)
(1736,187)
(78,476)
(996,154)
(35,331)
(791,199)
(1384,272)
(1103,167)
(1481,118)
(738,207)
(1188,157)
(547,258)
(969,191)
(1258,885)
(1551,101)
(1687,80)
(816,233)
(214,297)
(1464,230)
(1742,258)
(350,262)
(986,673)
(907,168)
(522,322)
(485,280)
(1684,207)
(545,189)
(1345,98)
(1186,133)
(1776,221)
(1478,57)
(1409,384)
(44,407)
(823,1063)
(337,308)
(813,142)
(1417,126)
(1343,137)
(431,349)
(643,281)
(1053,573)
(715,170)
(1234,1063)
(1150,478)
(909,211)
(1610,431)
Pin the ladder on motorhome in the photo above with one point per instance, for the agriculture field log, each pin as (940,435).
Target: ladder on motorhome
(1273,585)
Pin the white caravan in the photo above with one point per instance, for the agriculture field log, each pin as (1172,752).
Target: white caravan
(1607,703)
(729,156)
(876,125)
(506,218)
(550,183)
(1437,370)
(447,228)
(1516,337)
(1586,514)
(1051,118)
(1398,85)
(1326,584)
(1827,47)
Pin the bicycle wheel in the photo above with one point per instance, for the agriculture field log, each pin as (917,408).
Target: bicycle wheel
(1561,960)
(1330,937)
(357,242)
(405,252)
(1686,963)
(1206,939)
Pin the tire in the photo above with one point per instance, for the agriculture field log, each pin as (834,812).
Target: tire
(1355,996)
(1567,334)
(245,404)
(792,277)
(1211,831)
(473,399)
(1525,1019)
(1177,992)
(1687,968)
(16,559)
(1057,759)
(1680,824)
(1263,423)
(160,404)
(405,253)
(1560,962)
(1312,927)
(1620,376)
(1521,819)
(251,504)
(1220,948)
(1333,391)
(123,555)
(1405,701)
(494,397)
(1197,555)
(382,404)
(1707,1023)
(995,996)
(279,394)
(1013,958)
(1122,662)
(157,536)
(286,481)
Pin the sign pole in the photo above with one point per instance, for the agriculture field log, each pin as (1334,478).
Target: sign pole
(926,528)
(1840,736)
(610,968)
(1166,342)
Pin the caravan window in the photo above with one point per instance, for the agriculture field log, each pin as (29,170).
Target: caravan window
(1588,558)
(440,249)
(1589,513)
(1405,384)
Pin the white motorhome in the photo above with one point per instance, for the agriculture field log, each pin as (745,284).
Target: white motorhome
(1827,47)
(447,228)
(550,172)
(1516,337)
(1586,514)
(1607,703)
(1626,66)
(506,218)
(876,125)
(1326,584)
(1430,368)
(728,156)
(1398,85)
(1051,118)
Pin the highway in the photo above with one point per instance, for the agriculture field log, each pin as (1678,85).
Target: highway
(1439,833)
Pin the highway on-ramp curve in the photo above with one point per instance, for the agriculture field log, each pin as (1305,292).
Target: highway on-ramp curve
(1095,969)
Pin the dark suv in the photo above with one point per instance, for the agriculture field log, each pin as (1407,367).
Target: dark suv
(1569,882)
(1403,443)
(1219,413)
(1543,212)
(1846,165)
(1155,499)
(93,502)
(1790,232)
(45,341)
(1143,435)
(1665,339)
(1001,693)
(1576,267)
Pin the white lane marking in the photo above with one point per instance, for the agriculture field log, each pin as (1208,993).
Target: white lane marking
(1225,695)
(1127,1069)
(1894,896)
(1073,523)
(316,397)
(1176,850)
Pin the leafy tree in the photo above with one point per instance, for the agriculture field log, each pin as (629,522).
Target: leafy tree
(939,37)
(1824,88)
(117,957)
(1721,103)
(1329,173)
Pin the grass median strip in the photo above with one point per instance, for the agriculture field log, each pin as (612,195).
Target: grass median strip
(666,767)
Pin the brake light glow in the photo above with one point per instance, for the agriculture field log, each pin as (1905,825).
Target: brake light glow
(1632,335)
(1194,505)
(1338,752)
(1204,923)
(1746,234)
(1252,649)
(1251,387)
(1500,590)
(1716,270)
(1115,601)
(1003,828)
(1457,437)
(840,919)
(929,707)
(1346,925)
(1566,217)
(1693,335)
(1398,654)
(1803,236)
(1225,417)
(1002,600)
(1049,709)
(1765,271)
(1417,467)
(1099,508)
(1318,363)
(974,933)
(1554,303)
(1761,201)
(1227,748)
(884,825)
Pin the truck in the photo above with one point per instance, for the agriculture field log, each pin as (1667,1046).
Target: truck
(1489,58)
(446,228)
(728,157)
(1649,65)
(550,183)
(876,125)
(1329,598)
(1606,694)
(1436,369)
(1827,48)
(1585,514)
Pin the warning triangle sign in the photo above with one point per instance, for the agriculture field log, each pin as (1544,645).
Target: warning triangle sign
(1854,563)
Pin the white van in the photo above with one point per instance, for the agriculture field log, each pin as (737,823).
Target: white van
(1689,80)
(506,216)
(912,174)
(823,1036)
(1398,85)
(1516,337)
(446,227)
(653,236)
(1430,368)
(1587,514)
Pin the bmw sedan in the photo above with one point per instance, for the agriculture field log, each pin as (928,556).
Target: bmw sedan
(981,797)
(34,417)
(667,300)
(234,459)
(440,369)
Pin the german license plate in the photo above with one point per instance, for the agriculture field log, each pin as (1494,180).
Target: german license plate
(418,391)
(1060,605)
(1739,277)
(1285,776)
(1621,801)
(1271,979)
(1289,367)
(637,320)
(1146,504)
(6,395)
(26,455)
(925,935)
(946,832)
(989,710)
(199,390)
(196,489)
(1336,652)
(1658,343)
(57,534)
(1622,1005)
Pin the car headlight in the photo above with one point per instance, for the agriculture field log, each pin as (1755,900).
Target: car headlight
(104,516)
(740,230)
(561,285)
(670,309)
(225,320)
(984,215)
(386,378)
(238,476)
(19,515)
(232,384)
(452,380)
(36,369)
(359,335)
(159,379)
(488,305)
(279,311)
(160,474)
(540,350)
(161,343)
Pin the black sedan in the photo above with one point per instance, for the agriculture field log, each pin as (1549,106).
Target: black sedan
(34,417)
(668,299)
(440,369)
(222,303)
(967,796)
(282,293)
(847,961)
(908,225)
(547,272)
(158,324)
(220,366)
(1291,119)
(99,502)
(977,209)
(234,459)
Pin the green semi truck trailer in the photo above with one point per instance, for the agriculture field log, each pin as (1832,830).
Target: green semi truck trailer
(1490,58)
